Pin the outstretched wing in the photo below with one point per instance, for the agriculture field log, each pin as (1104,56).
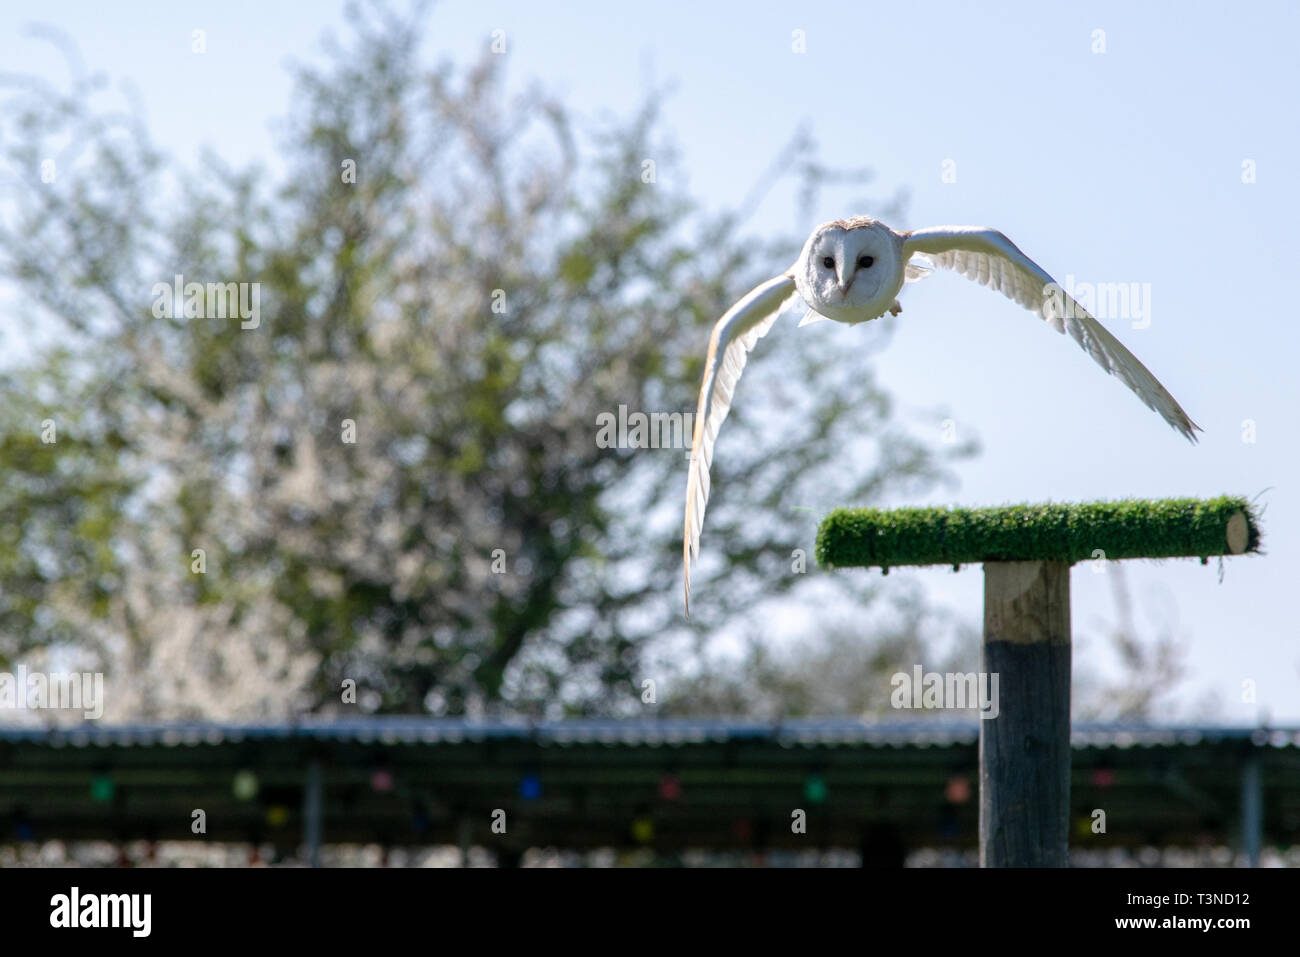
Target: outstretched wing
(991,259)
(733,336)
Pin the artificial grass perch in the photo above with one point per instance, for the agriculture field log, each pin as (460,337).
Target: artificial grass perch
(1132,528)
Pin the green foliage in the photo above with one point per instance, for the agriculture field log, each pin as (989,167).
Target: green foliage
(59,504)
(1132,528)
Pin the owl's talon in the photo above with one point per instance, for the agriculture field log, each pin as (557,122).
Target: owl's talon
(896,308)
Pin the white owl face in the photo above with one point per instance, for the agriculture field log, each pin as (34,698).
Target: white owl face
(850,271)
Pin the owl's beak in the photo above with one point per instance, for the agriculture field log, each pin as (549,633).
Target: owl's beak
(844,279)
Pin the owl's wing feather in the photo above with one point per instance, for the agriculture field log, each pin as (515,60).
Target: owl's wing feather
(991,259)
(734,335)
(917,268)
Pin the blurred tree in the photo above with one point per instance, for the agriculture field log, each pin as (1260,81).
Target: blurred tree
(393,474)
(1151,667)
(845,668)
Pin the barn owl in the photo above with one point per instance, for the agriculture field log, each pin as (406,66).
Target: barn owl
(851,271)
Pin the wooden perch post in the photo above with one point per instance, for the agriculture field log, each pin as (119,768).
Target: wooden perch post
(1027,551)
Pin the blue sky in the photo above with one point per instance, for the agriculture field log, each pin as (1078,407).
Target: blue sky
(1116,167)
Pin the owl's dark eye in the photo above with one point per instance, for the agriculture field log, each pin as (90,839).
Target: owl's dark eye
(864,262)
(829,262)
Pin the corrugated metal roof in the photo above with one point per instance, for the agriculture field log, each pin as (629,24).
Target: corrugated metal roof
(829,732)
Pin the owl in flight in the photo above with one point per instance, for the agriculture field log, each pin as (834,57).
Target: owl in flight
(851,270)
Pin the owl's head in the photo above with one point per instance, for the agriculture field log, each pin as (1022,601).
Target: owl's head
(850,269)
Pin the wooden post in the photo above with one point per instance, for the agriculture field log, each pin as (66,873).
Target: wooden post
(1252,805)
(1024,752)
(313,801)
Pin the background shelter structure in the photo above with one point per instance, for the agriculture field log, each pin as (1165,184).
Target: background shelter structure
(880,788)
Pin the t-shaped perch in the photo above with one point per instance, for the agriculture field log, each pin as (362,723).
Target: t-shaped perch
(1027,551)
